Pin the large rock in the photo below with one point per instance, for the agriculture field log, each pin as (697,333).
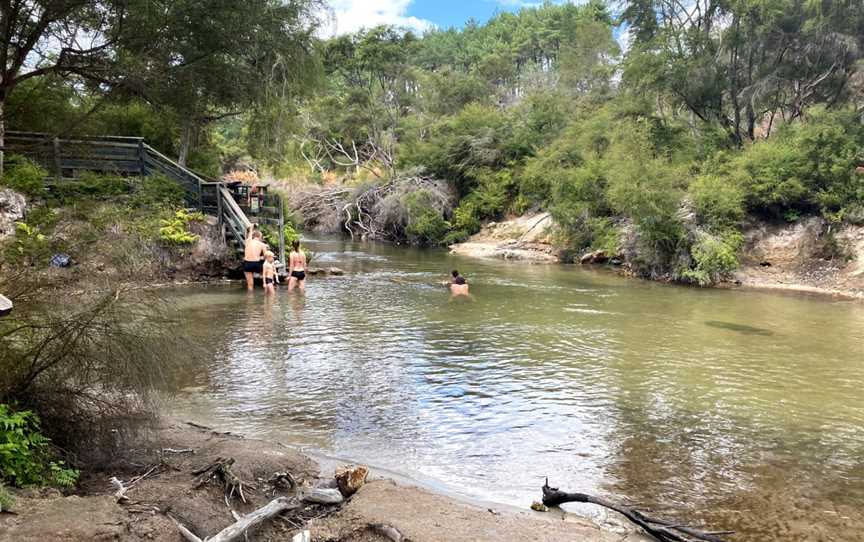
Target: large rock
(598,257)
(12,207)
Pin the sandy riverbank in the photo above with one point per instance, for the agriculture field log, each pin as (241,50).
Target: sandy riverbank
(171,451)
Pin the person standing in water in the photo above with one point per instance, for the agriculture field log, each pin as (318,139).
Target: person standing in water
(253,255)
(458,285)
(297,267)
(268,272)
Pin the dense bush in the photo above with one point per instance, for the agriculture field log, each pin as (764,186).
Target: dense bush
(25,453)
(714,257)
(425,224)
(806,167)
(23,175)
(90,186)
(157,190)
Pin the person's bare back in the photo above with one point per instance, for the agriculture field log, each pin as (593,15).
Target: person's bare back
(253,254)
(296,267)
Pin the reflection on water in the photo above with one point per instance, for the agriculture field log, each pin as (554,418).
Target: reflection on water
(740,409)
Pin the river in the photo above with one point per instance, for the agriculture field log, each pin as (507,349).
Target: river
(740,410)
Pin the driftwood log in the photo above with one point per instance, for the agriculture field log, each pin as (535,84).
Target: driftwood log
(5,305)
(664,531)
(244,523)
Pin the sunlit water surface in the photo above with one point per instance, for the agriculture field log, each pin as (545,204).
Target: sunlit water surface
(740,410)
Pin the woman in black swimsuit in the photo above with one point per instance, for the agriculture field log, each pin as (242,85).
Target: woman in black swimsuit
(297,267)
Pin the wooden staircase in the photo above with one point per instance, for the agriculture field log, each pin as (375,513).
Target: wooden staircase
(132,156)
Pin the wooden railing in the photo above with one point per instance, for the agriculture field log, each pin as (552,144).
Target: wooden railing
(66,158)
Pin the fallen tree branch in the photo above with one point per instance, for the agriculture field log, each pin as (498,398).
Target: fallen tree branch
(122,488)
(244,523)
(663,531)
(221,470)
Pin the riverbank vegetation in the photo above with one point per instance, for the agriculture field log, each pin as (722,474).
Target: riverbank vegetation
(648,129)
(712,115)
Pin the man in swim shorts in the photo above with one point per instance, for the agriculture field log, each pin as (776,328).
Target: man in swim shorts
(253,256)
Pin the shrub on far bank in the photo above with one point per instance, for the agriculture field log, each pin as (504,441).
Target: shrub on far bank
(714,257)
(806,167)
(426,225)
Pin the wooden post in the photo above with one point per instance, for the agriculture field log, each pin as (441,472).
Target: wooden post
(58,168)
(219,203)
(142,158)
(281,232)
(200,197)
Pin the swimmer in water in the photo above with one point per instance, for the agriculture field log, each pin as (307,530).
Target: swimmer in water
(253,255)
(458,285)
(297,267)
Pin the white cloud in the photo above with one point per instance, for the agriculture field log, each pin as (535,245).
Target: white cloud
(352,15)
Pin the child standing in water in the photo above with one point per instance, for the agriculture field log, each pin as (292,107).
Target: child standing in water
(271,278)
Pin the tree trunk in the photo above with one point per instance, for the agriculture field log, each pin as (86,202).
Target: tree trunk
(2,131)
(185,142)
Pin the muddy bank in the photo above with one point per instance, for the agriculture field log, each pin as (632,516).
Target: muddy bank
(157,473)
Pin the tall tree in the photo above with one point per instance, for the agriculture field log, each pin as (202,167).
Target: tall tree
(62,37)
(209,59)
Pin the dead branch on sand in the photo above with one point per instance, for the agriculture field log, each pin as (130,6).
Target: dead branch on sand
(221,470)
(244,523)
(122,488)
(664,531)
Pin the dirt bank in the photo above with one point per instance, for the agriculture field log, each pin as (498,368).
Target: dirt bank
(158,472)
(807,256)
(527,238)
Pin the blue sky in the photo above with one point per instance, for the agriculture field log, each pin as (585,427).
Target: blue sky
(447,13)
(351,15)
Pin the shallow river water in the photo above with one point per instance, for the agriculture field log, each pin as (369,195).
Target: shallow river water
(739,410)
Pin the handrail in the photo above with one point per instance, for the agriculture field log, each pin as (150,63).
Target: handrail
(132,155)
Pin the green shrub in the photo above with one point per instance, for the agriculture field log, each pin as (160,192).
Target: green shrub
(29,246)
(24,175)
(174,230)
(425,224)
(157,190)
(719,201)
(90,186)
(7,501)
(713,258)
(807,166)
(25,455)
